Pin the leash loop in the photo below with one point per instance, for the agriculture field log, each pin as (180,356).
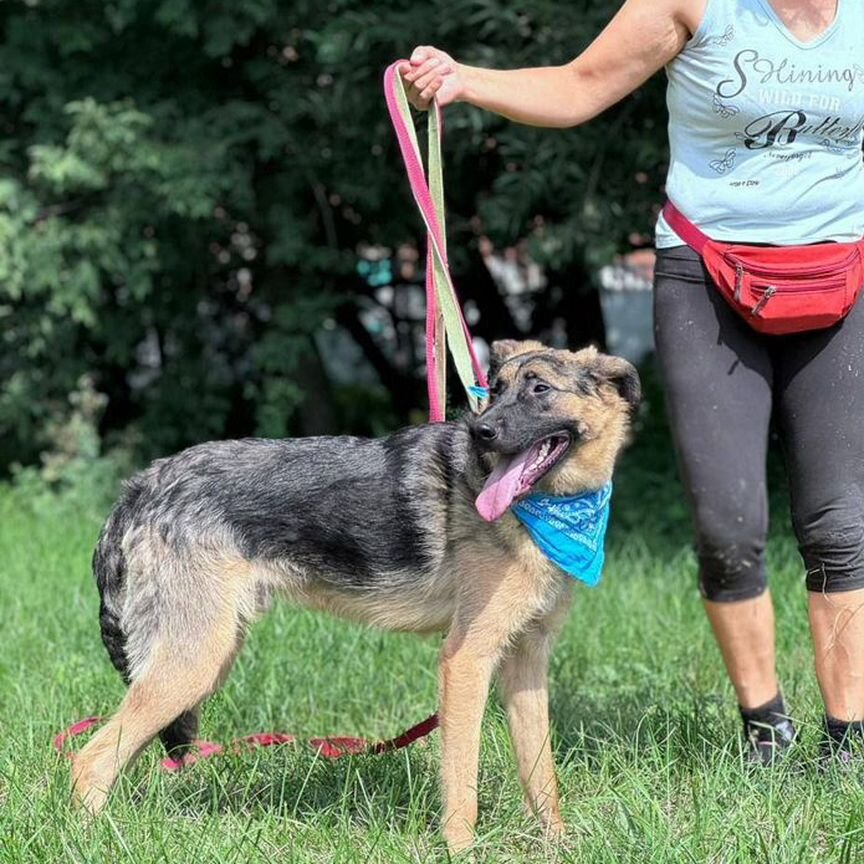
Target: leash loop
(445,323)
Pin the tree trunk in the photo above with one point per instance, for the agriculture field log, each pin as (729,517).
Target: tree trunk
(316,413)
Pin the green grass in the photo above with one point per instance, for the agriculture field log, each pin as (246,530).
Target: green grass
(645,724)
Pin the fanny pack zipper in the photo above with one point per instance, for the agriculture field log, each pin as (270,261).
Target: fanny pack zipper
(770,291)
(741,268)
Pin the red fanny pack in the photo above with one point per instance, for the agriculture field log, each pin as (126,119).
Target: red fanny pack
(779,289)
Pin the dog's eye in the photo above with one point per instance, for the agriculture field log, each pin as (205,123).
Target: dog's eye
(540,387)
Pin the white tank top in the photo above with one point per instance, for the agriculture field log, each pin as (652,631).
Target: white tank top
(765,131)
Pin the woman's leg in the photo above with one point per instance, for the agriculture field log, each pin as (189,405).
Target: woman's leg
(837,624)
(820,392)
(718,379)
(744,630)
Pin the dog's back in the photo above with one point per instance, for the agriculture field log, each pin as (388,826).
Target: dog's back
(322,516)
(199,542)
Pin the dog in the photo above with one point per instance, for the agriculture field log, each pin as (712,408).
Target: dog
(383,531)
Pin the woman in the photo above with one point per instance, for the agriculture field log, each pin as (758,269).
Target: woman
(766,105)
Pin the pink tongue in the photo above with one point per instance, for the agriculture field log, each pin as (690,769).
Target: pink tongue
(502,486)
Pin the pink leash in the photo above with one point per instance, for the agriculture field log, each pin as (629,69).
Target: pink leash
(443,313)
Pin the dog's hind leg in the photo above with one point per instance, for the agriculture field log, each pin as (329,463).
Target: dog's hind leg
(185,664)
(155,701)
(525,692)
(165,692)
(178,735)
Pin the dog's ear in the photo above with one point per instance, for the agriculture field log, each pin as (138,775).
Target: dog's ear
(622,375)
(504,349)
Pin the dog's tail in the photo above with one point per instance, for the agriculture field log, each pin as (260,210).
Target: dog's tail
(109,570)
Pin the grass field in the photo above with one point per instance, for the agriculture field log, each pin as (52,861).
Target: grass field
(645,726)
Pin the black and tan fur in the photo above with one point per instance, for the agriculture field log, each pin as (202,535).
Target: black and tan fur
(382,531)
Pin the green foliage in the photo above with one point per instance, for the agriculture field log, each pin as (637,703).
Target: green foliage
(73,472)
(184,187)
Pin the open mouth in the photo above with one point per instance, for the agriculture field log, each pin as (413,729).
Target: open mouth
(515,475)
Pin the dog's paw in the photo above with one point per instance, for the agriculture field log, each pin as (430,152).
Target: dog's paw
(88,796)
(554,830)
(459,838)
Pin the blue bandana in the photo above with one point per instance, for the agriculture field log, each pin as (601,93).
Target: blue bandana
(570,530)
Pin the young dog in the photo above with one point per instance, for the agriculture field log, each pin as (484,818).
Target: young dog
(383,531)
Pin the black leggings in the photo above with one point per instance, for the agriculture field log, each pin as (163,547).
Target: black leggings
(723,379)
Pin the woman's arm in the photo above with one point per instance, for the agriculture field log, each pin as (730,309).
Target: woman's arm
(640,39)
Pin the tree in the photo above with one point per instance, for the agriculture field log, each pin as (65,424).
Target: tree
(185,187)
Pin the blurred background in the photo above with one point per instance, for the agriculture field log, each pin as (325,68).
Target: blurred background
(206,231)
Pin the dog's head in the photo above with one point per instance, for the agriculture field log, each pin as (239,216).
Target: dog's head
(555,421)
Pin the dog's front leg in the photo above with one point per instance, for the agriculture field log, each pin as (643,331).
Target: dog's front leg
(465,674)
(525,692)
(524,678)
(495,603)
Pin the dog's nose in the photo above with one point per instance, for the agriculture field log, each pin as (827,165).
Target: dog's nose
(485,432)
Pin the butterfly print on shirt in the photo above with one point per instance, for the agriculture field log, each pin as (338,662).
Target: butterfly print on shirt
(724,109)
(721,166)
(726,38)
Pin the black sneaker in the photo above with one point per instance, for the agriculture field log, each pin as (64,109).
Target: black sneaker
(767,741)
(840,759)
(842,747)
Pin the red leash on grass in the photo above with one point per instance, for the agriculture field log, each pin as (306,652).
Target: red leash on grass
(443,319)
(332,747)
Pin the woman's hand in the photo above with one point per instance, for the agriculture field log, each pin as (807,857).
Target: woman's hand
(432,74)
